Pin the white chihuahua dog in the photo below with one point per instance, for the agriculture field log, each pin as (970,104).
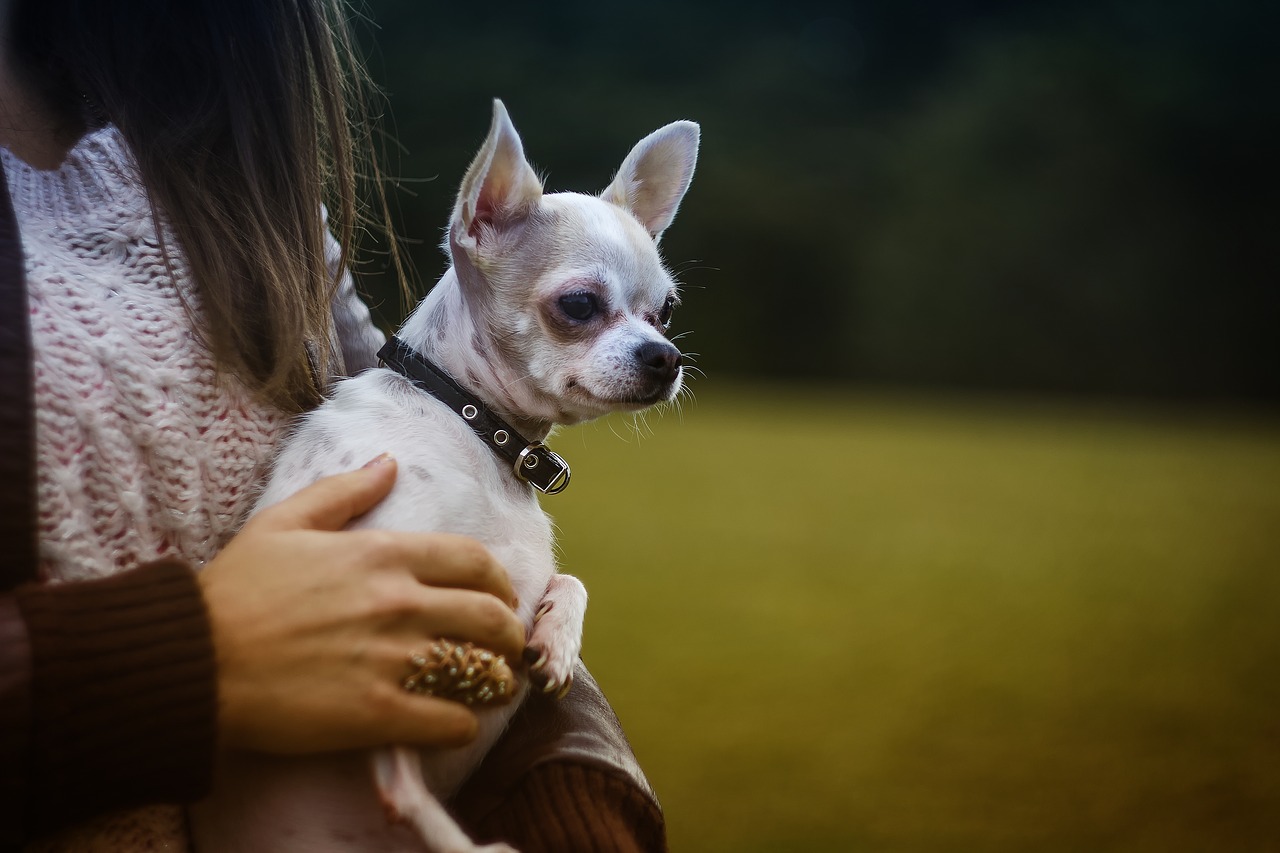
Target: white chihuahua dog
(554,311)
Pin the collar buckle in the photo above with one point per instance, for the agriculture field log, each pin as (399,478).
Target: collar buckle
(542,468)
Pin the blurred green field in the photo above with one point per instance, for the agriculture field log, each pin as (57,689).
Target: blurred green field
(863,623)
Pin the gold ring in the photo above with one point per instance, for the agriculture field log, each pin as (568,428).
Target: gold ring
(462,672)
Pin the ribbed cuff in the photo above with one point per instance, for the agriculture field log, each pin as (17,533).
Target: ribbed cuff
(564,807)
(124,693)
(15,722)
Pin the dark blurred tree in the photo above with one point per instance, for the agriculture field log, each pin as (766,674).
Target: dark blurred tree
(1054,195)
(1085,207)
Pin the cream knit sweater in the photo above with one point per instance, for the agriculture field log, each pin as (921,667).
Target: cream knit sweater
(143,450)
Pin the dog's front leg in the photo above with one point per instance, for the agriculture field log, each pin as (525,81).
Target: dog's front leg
(397,772)
(556,639)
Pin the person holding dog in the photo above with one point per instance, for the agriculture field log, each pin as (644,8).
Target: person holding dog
(169,298)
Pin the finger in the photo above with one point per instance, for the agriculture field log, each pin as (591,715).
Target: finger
(476,617)
(329,503)
(428,721)
(417,720)
(447,560)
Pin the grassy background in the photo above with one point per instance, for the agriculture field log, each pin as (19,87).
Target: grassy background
(866,623)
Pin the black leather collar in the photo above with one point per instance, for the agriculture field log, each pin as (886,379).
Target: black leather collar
(531,461)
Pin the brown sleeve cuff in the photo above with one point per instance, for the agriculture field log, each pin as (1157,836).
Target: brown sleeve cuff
(15,720)
(563,778)
(566,807)
(123,694)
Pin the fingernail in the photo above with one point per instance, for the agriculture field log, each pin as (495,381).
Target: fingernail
(378,460)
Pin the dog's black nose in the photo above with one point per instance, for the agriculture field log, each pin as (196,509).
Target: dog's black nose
(660,359)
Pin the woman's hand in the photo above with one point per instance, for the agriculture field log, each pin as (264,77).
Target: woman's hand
(312,625)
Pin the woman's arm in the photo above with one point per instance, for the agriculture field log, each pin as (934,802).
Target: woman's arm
(292,640)
(113,693)
(15,719)
(357,338)
(563,777)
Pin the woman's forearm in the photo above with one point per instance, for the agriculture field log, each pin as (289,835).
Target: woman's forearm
(116,698)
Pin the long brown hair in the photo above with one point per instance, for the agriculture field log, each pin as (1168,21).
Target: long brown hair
(245,116)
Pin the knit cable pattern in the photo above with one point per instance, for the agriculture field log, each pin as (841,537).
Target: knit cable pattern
(143,450)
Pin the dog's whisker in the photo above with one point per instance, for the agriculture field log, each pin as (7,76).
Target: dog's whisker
(515,381)
(640,425)
(613,429)
(697,264)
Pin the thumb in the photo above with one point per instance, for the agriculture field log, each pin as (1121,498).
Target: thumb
(330,503)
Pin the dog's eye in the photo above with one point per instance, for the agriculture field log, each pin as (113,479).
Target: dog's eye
(579,306)
(664,316)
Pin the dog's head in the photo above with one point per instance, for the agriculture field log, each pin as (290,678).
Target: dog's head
(569,289)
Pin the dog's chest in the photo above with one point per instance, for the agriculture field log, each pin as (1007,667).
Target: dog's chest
(448,481)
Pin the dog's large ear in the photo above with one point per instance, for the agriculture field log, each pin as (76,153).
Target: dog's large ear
(654,177)
(500,187)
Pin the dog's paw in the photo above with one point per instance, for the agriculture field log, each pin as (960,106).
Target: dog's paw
(556,637)
(552,651)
